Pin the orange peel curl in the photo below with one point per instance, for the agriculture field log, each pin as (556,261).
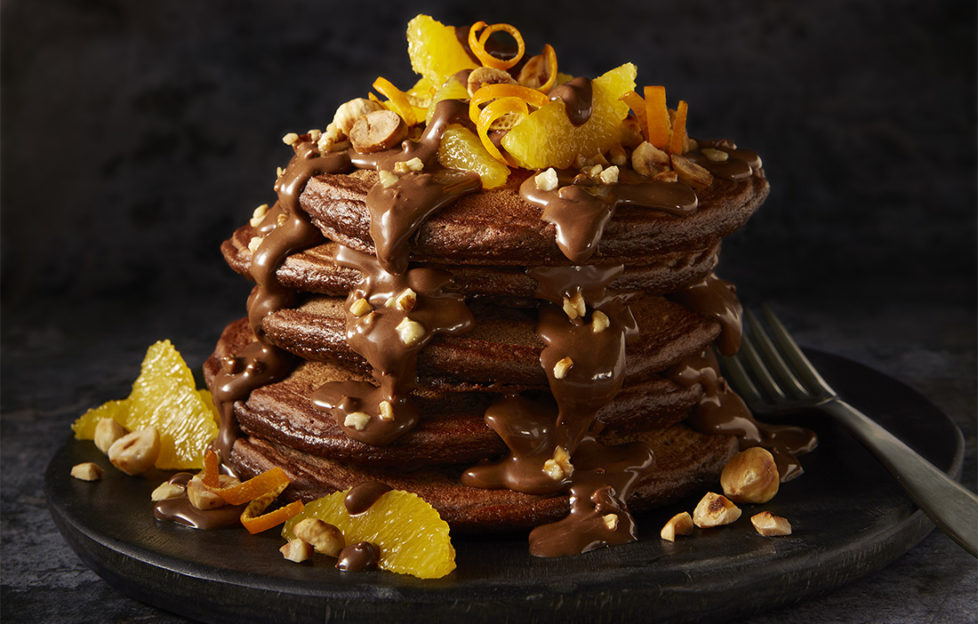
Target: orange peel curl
(477,43)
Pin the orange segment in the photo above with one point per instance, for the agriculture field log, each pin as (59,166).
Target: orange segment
(461,149)
(411,536)
(163,396)
(435,51)
(451,90)
(546,138)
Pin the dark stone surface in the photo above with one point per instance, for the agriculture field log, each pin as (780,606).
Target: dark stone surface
(137,135)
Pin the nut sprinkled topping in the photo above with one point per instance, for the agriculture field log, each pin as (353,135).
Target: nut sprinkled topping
(562,366)
(356,420)
(296,550)
(254,243)
(386,411)
(258,215)
(680,524)
(87,471)
(387,179)
(575,307)
(290,138)
(546,180)
(409,331)
(666,176)
(560,466)
(135,453)
(406,166)
(403,301)
(610,521)
(714,510)
(767,524)
(751,476)
(599,321)
(167,490)
(715,155)
(617,156)
(360,307)
(322,536)
(203,497)
(609,175)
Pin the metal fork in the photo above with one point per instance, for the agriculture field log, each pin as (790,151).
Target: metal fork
(773,376)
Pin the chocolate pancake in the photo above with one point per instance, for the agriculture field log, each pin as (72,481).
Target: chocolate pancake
(498,227)
(685,462)
(503,347)
(453,430)
(315,270)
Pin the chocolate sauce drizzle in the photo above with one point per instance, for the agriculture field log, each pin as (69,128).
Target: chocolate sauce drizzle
(579,208)
(576,95)
(721,410)
(180,510)
(361,497)
(289,231)
(552,450)
(358,557)
(716,299)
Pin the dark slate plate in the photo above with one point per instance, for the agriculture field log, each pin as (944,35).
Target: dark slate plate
(848,515)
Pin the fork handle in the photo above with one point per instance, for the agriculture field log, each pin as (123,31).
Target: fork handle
(952,507)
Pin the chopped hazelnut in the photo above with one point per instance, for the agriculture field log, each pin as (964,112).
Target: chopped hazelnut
(482,76)
(715,155)
(575,307)
(386,411)
(666,176)
(360,307)
(546,180)
(610,521)
(617,156)
(562,367)
(87,471)
(609,175)
(203,497)
(356,420)
(599,321)
(647,159)
(767,524)
(680,524)
(258,215)
(714,510)
(594,171)
(290,138)
(387,179)
(314,135)
(403,301)
(296,550)
(167,490)
(409,331)
(406,166)
(322,536)
(751,476)
(254,243)
(560,466)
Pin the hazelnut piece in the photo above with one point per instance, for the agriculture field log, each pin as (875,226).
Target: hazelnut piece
(751,476)
(107,431)
(166,490)
(86,471)
(768,524)
(715,510)
(680,524)
(322,536)
(377,131)
(136,452)
(203,497)
(296,550)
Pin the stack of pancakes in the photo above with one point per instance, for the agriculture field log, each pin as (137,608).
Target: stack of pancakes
(488,244)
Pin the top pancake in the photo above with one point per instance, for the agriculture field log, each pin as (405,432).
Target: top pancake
(498,227)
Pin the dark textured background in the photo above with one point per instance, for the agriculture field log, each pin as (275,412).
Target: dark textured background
(137,135)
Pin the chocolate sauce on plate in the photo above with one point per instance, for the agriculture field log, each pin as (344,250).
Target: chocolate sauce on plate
(358,557)
(179,509)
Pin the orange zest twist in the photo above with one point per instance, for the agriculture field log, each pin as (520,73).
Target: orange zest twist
(478,44)
(493,111)
(212,467)
(657,116)
(494,91)
(637,104)
(271,480)
(255,522)
(678,142)
(550,57)
(397,100)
